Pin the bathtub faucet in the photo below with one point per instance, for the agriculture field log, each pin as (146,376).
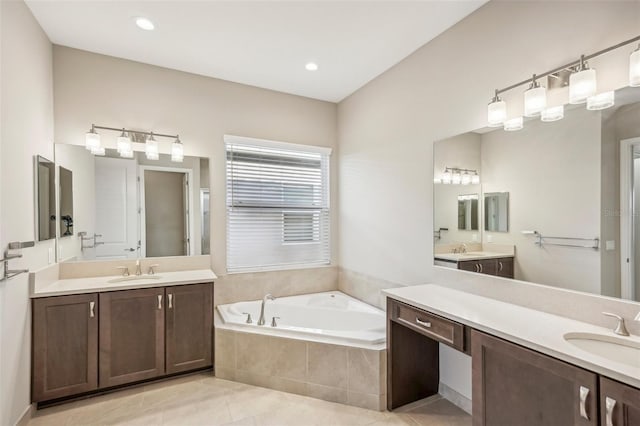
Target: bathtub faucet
(268,296)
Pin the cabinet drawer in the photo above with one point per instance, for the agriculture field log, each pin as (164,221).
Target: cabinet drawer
(438,328)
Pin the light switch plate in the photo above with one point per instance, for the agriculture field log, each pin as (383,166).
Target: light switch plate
(610,245)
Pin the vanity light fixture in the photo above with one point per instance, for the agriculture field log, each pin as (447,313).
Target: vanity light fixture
(177,151)
(457,176)
(446,177)
(475,179)
(92,139)
(99,152)
(466,178)
(601,101)
(552,113)
(535,99)
(124,144)
(634,68)
(151,148)
(582,88)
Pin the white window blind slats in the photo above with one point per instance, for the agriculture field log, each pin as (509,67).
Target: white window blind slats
(277,207)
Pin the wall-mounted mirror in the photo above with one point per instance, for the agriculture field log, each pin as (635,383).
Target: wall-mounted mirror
(556,199)
(65,196)
(496,211)
(45,199)
(128,208)
(468,212)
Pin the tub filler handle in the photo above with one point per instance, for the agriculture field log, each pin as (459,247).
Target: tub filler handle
(249,320)
(273,321)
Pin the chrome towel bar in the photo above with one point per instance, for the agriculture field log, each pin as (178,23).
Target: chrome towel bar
(540,241)
(16,245)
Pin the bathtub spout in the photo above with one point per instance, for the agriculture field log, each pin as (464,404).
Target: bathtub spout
(268,296)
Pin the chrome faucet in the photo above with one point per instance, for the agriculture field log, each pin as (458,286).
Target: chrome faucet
(621,328)
(268,296)
(138,268)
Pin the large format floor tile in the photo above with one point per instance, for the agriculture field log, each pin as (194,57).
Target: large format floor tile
(206,400)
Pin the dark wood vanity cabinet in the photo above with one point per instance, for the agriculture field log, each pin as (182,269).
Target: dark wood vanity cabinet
(189,326)
(502,267)
(513,385)
(89,342)
(619,404)
(65,346)
(131,336)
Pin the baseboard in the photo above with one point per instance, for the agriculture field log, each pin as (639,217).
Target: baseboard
(26,416)
(455,398)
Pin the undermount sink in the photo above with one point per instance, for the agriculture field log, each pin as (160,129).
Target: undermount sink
(624,350)
(134,278)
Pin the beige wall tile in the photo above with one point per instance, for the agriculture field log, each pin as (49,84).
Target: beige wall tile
(252,353)
(289,358)
(225,348)
(327,365)
(327,393)
(364,370)
(287,385)
(364,400)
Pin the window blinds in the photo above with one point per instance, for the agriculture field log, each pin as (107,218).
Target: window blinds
(277,205)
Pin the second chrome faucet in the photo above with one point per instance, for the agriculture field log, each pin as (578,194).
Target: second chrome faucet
(261,320)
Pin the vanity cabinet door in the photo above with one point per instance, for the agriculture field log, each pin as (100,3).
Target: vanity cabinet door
(505,267)
(65,346)
(619,404)
(189,314)
(488,266)
(131,336)
(513,385)
(469,265)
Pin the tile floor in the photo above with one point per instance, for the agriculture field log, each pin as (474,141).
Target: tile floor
(206,400)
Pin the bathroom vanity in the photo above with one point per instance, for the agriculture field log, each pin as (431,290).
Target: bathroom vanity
(499,264)
(526,371)
(94,334)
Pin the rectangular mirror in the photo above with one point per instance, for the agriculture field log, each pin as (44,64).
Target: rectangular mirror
(468,212)
(65,191)
(557,200)
(496,211)
(135,207)
(45,199)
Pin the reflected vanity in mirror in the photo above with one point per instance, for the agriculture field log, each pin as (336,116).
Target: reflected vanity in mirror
(556,199)
(45,199)
(132,207)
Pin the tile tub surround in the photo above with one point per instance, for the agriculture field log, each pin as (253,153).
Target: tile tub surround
(233,288)
(344,374)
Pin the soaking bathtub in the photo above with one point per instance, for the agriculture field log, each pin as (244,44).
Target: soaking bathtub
(330,315)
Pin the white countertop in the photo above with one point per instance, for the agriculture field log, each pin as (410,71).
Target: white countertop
(475,255)
(533,329)
(101,284)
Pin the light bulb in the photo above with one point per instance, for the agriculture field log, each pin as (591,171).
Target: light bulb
(475,179)
(124,143)
(456,178)
(446,177)
(634,68)
(466,178)
(601,101)
(535,99)
(514,124)
(496,111)
(99,151)
(552,113)
(582,83)
(177,151)
(151,148)
(92,139)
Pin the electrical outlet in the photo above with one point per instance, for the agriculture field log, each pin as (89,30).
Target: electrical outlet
(610,245)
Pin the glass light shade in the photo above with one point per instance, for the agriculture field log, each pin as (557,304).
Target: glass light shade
(496,113)
(124,144)
(475,179)
(92,140)
(535,100)
(582,84)
(466,178)
(446,177)
(552,113)
(601,101)
(437,180)
(514,124)
(456,178)
(634,69)
(151,149)
(126,154)
(177,152)
(99,151)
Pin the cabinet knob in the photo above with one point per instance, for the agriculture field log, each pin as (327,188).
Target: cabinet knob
(584,394)
(92,309)
(610,404)
(159,301)
(170,297)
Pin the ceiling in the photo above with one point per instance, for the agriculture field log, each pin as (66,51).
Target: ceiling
(259,43)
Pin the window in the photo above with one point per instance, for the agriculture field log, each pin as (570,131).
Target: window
(277,205)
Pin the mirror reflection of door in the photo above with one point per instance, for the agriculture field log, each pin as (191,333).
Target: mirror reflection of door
(630,218)
(166,213)
(116,208)
(496,211)
(468,212)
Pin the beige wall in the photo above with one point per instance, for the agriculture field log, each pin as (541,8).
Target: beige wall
(91,88)
(26,130)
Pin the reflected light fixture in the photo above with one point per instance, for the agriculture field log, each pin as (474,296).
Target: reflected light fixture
(151,148)
(514,124)
(496,111)
(601,101)
(582,83)
(100,151)
(177,151)
(456,177)
(466,178)
(552,113)
(535,99)
(446,177)
(475,179)
(634,68)
(124,143)
(92,139)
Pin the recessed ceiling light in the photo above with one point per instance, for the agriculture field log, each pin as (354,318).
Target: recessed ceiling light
(311,66)
(145,24)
